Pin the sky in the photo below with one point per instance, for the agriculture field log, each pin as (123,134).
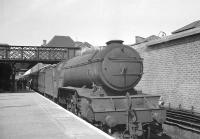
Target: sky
(29,22)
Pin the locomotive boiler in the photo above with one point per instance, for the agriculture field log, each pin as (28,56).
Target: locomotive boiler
(117,68)
(99,86)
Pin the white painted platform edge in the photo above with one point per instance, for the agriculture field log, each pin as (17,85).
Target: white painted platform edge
(78,118)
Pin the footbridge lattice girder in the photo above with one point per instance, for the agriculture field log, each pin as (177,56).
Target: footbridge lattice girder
(37,53)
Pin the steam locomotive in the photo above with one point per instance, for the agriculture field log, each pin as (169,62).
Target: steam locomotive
(99,86)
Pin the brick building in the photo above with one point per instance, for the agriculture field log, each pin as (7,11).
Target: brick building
(172,67)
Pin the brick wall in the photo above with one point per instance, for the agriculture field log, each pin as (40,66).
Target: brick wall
(172,70)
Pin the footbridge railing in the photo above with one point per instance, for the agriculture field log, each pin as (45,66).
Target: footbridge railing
(37,53)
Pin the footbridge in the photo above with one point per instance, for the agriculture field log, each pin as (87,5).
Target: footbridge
(14,59)
(35,54)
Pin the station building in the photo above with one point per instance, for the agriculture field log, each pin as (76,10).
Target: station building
(172,67)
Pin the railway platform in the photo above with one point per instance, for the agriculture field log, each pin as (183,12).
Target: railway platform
(32,116)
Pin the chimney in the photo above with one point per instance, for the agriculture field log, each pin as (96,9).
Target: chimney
(44,43)
(114,41)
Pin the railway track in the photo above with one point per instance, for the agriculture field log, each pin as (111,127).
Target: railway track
(183,119)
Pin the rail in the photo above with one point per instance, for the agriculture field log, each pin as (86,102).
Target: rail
(183,119)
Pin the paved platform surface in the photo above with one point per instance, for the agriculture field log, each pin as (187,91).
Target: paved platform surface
(31,116)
